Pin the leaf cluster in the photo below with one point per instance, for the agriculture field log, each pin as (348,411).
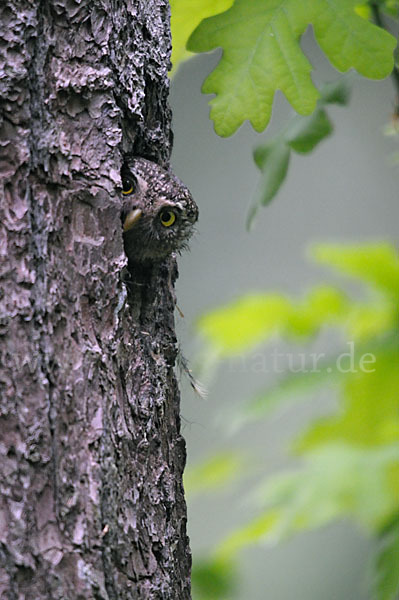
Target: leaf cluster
(301,135)
(349,461)
(262,52)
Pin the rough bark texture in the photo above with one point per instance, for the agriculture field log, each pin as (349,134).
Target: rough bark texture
(91,456)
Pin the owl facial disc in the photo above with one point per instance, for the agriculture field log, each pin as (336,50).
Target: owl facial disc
(158,213)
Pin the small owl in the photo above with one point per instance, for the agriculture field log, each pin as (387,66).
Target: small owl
(158,214)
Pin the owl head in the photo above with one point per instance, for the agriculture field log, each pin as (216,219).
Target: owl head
(158,213)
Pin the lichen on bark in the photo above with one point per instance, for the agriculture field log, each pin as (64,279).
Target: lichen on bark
(91,501)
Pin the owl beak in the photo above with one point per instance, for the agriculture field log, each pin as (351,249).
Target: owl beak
(132,219)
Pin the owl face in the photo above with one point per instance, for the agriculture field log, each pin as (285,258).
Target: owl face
(158,213)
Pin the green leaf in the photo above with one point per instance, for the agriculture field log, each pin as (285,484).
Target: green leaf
(248,535)
(241,325)
(336,92)
(292,387)
(336,480)
(185,16)
(366,321)
(262,53)
(272,158)
(376,263)
(369,413)
(391,8)
(304,133)
(363,10)
(317,371)
(244,323)
(213,579)
(254,318)
(301,134)
(386,585)
(212,474)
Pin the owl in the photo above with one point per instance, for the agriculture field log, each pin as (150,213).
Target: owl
(158,213)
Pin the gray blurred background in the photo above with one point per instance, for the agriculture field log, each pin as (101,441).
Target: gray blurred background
(346,190)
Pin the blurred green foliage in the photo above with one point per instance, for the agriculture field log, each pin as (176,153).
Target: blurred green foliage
(256,317)
(214,579)
(214,473)
(349,461)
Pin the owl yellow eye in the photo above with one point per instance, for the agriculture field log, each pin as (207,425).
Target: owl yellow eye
(167,218)
(127,187)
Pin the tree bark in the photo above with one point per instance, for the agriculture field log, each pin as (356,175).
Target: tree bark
(91,456)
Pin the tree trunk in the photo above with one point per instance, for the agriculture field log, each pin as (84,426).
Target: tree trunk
(92,502)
